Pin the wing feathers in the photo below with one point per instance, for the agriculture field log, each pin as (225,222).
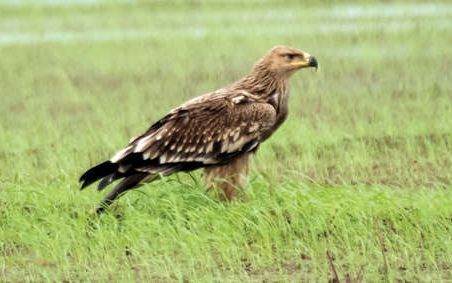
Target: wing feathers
(200,133)
(188,135)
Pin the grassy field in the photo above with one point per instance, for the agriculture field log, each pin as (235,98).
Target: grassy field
(355,186)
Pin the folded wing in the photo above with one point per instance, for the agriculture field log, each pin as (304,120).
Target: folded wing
(198,134)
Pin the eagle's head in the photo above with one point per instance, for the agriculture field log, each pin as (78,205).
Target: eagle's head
(284,60)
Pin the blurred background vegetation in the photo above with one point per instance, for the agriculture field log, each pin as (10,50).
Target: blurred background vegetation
(361,170)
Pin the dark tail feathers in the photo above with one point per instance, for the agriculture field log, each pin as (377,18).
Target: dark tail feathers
(98,172)
(126,184)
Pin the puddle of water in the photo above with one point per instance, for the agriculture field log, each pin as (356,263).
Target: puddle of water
(398,22)
(8,38)
(57,2)
(67,36)
(388,10)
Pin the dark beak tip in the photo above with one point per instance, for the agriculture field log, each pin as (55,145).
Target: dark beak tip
(313,62)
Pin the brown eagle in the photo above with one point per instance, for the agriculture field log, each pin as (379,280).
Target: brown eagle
(217,131)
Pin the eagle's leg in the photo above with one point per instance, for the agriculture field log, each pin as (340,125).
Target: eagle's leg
(229,177)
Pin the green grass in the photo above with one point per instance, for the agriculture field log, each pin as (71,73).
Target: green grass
(357,180)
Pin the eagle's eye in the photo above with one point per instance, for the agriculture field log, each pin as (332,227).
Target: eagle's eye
(290,57)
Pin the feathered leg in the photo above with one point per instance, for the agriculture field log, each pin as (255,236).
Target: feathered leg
(229,177)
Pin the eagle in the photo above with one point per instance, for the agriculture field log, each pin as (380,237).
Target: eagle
(218,131)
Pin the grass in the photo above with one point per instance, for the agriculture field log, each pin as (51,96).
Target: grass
(356,183)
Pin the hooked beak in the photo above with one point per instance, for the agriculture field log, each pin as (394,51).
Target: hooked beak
(313,62)
(309,61)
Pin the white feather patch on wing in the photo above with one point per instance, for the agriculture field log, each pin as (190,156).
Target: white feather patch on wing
(236,145)
(143,143)
(124,168)
(210,161)
(238,99)
(224,146)
(151,154)
(209,147)
(253,127)
(163,158)
(146,155)
(236,135)
(121,154)
(174,158)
